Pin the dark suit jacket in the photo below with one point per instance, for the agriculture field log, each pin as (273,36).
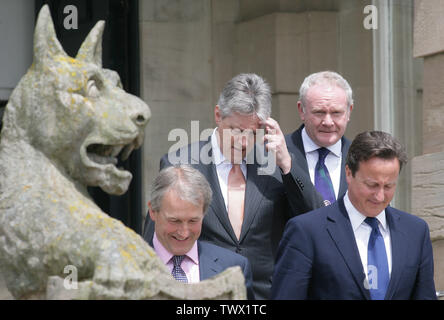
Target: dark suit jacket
(296,148)
(266,211)
(318,258)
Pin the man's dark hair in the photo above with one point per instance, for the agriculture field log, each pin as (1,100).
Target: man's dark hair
(370,144)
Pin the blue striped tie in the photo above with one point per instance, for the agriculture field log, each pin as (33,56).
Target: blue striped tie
(177,271)
(322,178)
(378,271)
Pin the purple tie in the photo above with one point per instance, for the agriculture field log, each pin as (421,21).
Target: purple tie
(177,271)
(322,178)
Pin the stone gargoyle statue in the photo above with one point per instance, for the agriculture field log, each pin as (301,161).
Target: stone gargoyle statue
(66,123)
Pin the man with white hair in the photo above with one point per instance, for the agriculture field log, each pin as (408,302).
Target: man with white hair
(319,145)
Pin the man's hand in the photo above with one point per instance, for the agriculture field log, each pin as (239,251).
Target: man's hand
(276,144)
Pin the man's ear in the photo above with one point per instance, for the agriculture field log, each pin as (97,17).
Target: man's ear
(151,212)
(350,111)
(217,115)
(301,112)
(348,174)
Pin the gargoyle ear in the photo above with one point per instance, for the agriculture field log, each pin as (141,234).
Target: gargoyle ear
(46,44)
(91,48)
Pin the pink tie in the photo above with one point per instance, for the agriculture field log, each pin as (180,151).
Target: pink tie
(236,195)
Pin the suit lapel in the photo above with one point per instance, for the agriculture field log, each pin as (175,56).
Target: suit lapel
(208,266)
(343,183)
(254,193)
(399,250)
(341,232)
(299,151)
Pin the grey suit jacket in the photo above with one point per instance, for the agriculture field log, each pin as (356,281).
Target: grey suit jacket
(296,148)
(268,206)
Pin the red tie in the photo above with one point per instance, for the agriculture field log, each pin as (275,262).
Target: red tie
(236,195)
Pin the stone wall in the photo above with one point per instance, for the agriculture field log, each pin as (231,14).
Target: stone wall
(428,169)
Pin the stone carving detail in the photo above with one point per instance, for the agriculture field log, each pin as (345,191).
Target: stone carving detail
(65,124)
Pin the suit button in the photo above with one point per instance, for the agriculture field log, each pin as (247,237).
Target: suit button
(238,250)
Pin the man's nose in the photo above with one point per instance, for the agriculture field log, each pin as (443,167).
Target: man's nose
(380,195)
(327,121)
(183,231)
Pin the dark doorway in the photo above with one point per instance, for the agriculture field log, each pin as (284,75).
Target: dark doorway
(120,53)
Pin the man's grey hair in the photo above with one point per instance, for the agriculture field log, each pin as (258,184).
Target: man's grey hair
(325,77)
(246,93)
(188,182)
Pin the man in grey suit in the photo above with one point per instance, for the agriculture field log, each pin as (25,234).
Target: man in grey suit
(251,203)
(179,199)
(324,106)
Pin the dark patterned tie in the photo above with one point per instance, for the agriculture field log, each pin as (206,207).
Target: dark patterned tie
(177,271)
(378,271)
(322,178)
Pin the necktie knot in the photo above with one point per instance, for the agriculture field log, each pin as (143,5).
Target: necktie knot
(372,222)
(177,260)
(236,177)
(323,152)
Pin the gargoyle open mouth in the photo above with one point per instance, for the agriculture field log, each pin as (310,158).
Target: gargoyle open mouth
(100,161)
(109,154)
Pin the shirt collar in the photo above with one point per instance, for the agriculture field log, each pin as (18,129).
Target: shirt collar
(357,218)
(218,157)
(166,256)
(310,145)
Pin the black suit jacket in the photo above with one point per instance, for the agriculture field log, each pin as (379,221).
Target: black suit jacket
(296,148)
(268,206)
(318,258)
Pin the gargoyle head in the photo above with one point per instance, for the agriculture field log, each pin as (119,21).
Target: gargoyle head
(76,112)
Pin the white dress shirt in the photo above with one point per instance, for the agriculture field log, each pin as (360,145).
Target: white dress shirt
(223,167)
(332,161)
(362,232)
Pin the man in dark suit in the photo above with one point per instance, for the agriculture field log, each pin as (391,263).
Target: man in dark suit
(319,145)
(179,199)
(250,185)
(359,247)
